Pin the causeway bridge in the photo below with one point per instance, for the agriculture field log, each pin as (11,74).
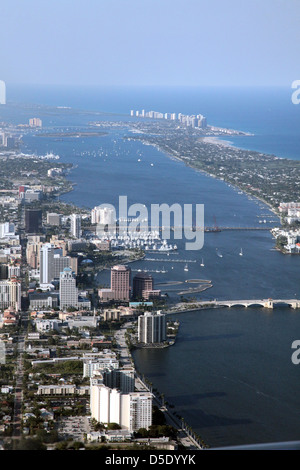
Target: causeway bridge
(265,303)
(209,229)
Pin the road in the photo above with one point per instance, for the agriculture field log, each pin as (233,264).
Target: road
(17,418)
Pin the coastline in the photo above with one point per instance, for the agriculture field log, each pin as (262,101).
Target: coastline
(218,142)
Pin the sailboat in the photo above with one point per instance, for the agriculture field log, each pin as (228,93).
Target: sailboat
(202,263)
(241,252)
(186,268)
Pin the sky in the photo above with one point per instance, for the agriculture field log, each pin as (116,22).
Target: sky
(150,42)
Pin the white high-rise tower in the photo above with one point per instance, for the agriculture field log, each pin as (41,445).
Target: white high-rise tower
(68,292)
(2,92)
(75,225)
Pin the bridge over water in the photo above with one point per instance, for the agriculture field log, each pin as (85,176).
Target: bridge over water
(265,303)
(209,229)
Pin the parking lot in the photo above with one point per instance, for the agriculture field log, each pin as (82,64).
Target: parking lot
(74,427)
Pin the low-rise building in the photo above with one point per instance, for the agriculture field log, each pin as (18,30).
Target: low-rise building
(111,314)
(48,325)
(62,390)
(43,300)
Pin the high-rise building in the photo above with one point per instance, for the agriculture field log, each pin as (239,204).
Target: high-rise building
(35,122)
(75,225)
(120,279)
(14,271)
(2,92)
(10,294)
(131,411)
(122,379)
(140,410)
(3,139)
(152,328)
(52,263)
(58,264)
(113,377)
(68,292)
(103,215)
(33,251)
(141,282)
(45,254)
(202,122)
(3,271)
(33,220)
(60,243)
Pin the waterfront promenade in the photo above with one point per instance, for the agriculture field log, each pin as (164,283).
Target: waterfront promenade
(185,434)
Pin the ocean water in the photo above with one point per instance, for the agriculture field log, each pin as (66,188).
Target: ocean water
(266,112)
(230,373)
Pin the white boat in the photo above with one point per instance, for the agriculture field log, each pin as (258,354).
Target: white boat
(186,268)
(219,254)
(241,252)
(202,263)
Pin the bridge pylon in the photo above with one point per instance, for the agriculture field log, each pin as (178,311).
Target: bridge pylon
(295,304)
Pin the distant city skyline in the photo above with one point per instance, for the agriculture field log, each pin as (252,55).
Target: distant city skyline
(150,42)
